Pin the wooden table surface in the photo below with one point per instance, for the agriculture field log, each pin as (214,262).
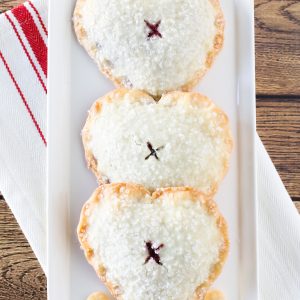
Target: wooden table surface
(278,124)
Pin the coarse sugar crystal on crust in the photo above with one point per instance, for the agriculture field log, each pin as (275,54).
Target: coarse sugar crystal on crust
(171,244)
(156,46)
(182,140)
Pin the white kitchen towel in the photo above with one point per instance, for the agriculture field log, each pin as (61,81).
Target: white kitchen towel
(23,74)
(23,109)
(278,234)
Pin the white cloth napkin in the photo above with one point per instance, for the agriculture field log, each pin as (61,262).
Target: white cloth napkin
(23,37)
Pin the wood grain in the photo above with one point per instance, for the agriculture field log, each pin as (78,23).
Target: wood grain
(278,125)
(277,39)
(21,276)
(9,4)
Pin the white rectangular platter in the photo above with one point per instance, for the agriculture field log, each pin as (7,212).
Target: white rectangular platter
(74,83)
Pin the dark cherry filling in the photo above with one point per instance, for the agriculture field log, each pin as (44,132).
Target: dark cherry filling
(153,29)
(153,253)
(153,152)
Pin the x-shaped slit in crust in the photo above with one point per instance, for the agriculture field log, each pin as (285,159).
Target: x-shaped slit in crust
(153,253)
(153,151)
(153,29)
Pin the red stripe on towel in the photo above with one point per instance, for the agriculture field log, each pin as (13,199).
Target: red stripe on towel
(33,35)
(27,54)
(39,17)
(23,99)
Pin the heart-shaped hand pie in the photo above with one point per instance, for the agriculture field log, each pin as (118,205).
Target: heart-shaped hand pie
(168,245)
(182,140)
(156,46)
